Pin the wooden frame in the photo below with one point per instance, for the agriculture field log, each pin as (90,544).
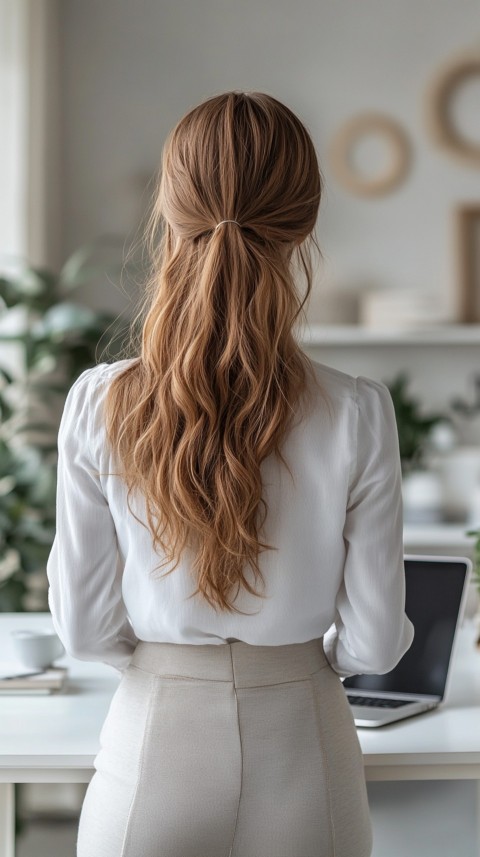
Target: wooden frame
(346,138)
(439,115)
(467,239)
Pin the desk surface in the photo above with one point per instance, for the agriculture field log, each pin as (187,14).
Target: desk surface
(56,737)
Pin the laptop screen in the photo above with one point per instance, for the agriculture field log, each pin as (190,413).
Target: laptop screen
(433,595)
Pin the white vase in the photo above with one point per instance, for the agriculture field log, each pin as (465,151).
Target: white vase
(459,471)
(422,497)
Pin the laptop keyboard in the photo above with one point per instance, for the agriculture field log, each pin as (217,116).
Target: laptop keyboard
(377,702)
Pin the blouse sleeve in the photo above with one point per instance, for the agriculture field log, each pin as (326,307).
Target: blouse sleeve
(84,568)
(372,632)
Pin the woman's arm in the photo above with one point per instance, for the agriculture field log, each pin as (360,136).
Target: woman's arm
(372,631)
(84,568)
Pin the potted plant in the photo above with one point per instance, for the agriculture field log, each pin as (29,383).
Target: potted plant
(56,338)
(414,428)
(422,490)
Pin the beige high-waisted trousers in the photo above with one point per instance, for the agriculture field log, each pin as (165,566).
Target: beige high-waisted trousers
(227,750)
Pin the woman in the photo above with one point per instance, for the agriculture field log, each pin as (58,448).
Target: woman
(223,454)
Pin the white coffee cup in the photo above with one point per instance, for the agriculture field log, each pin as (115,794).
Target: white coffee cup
(36,649)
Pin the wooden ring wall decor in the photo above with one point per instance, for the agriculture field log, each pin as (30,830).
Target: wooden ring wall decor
(347,137)
(439,114)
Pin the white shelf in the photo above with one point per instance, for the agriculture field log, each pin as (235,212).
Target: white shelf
(443,535)
(353,334)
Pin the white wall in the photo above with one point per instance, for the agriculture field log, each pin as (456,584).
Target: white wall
(132,68)
(29,144)
(13,106)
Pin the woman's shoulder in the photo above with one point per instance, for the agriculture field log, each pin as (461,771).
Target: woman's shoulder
(333,378)
(343,384)
(95,376)
(86,394)
(82,415)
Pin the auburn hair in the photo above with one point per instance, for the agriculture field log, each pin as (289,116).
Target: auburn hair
(219,375)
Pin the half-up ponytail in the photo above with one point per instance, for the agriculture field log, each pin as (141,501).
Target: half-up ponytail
(220,376)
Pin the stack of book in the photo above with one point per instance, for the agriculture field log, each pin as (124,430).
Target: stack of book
(19,680)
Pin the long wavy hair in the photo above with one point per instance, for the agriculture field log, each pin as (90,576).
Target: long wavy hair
(219,377)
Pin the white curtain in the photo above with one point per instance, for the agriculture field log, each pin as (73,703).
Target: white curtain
(30,137)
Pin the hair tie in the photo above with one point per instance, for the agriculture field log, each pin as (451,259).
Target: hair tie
(227,221)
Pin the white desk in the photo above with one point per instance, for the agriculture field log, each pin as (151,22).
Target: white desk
(54,738)
(49,738)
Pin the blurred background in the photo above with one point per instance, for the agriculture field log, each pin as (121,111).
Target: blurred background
(390,93)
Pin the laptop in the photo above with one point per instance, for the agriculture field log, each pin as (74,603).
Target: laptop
(435,595)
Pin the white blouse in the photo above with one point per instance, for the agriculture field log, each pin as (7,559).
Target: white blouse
(338,570)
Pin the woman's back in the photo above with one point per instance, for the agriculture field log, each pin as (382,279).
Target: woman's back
(337,526)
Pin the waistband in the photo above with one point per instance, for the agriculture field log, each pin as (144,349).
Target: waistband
(242,663)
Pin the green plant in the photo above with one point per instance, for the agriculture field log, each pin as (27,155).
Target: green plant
(413,427)
(476,556)
(476,569)
(468,410)
(57,339)
(27,521)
